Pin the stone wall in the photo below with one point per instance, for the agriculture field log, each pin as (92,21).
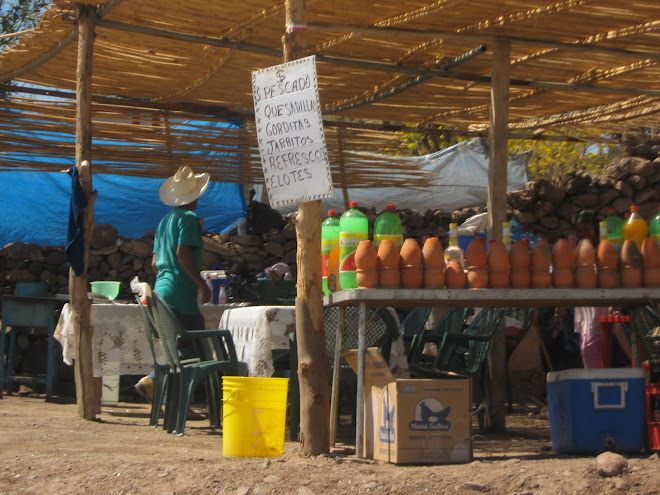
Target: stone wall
(543,208)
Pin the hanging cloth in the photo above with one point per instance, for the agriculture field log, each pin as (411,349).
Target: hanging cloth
(75,238)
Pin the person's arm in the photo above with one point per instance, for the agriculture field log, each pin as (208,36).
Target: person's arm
(185,257)
(153,264)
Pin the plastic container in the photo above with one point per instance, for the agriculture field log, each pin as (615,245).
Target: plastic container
(353,228)
(253,416)
(388,226)
(635,227)
(654,228)
(106,288)
(614,229)
(595,410)
(218,278)
(209,284)
(329,241)
(506,235)
(110,390)
(31,289)
(222,295)
(453,252)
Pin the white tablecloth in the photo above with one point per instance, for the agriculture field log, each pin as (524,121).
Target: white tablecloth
(256,331)
(119,345)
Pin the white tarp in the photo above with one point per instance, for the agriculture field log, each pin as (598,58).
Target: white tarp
(460,179)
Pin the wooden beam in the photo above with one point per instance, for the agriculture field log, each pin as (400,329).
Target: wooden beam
(342,170)
(45,57)
(310,334)
(170,106)
(80,304)
(388,32)
(497,179)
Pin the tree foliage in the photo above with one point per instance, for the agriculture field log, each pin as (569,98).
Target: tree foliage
(17,15)
(550,159)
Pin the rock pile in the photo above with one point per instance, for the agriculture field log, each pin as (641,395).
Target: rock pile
(543,207)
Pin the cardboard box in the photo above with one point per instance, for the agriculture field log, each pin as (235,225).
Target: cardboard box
(414,421)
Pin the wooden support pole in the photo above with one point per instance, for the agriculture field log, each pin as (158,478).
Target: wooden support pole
(80,304)
(312,361)
(342,169)
(497,179)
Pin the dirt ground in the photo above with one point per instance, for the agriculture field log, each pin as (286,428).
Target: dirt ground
(46,449)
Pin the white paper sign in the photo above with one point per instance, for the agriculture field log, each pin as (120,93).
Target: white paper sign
(290,133)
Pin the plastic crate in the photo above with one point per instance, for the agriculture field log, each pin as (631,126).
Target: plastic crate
(652,390)
(276,291)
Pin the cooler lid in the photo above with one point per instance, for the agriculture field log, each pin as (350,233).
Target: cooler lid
(596,374)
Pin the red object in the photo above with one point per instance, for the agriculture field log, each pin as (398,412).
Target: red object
(652,392)
(606,337)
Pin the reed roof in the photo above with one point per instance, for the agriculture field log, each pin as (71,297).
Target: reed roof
(590,65)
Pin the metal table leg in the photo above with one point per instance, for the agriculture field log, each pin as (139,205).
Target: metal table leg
(359,426)
(336,378)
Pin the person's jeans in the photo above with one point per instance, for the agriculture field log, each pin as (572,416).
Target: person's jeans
(590,349)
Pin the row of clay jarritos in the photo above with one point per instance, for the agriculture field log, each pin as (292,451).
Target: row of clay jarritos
(522,267)
(412,268)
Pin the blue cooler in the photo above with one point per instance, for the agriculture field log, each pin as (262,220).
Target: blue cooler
(594,410)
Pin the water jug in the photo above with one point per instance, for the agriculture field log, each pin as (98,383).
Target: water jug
(353,228)
(388,226)
(635,228)
(654,228)
(614,229)
(329,241)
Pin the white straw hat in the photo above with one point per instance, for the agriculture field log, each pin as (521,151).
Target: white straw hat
(183,187)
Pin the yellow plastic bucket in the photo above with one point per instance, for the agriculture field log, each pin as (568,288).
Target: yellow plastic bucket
(253,416)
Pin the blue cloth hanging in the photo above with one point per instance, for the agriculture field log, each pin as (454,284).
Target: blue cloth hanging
(75,236)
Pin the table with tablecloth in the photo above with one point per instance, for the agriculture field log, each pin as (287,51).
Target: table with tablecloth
(120,345)
(257,331)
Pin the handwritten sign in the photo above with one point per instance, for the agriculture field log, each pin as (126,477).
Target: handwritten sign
(290,133)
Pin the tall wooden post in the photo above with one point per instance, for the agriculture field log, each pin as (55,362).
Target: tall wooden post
(312,361)
(80,305)
(497,180)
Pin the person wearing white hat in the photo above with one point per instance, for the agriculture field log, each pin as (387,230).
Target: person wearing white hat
(177,258)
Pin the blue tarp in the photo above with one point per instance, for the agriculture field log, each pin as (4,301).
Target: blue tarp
(34,205)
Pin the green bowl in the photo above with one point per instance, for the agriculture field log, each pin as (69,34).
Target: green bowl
(106,288)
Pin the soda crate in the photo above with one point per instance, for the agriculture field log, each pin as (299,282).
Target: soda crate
(595,410)
(276,292)
(652,407)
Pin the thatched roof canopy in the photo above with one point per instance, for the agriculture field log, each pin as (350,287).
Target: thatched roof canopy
(592,65)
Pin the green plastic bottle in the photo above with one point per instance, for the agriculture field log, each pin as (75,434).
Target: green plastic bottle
(353,228)
(388,226)
(614,229)
(329,241)
(654,228)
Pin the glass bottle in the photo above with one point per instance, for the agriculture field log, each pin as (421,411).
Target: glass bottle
(453,252)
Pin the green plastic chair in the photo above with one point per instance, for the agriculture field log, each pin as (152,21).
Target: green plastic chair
(161,369)
(184,376)
(465,353)
(453,321)
(412,324)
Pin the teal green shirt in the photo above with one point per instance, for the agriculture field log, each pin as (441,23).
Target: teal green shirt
(179,227)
